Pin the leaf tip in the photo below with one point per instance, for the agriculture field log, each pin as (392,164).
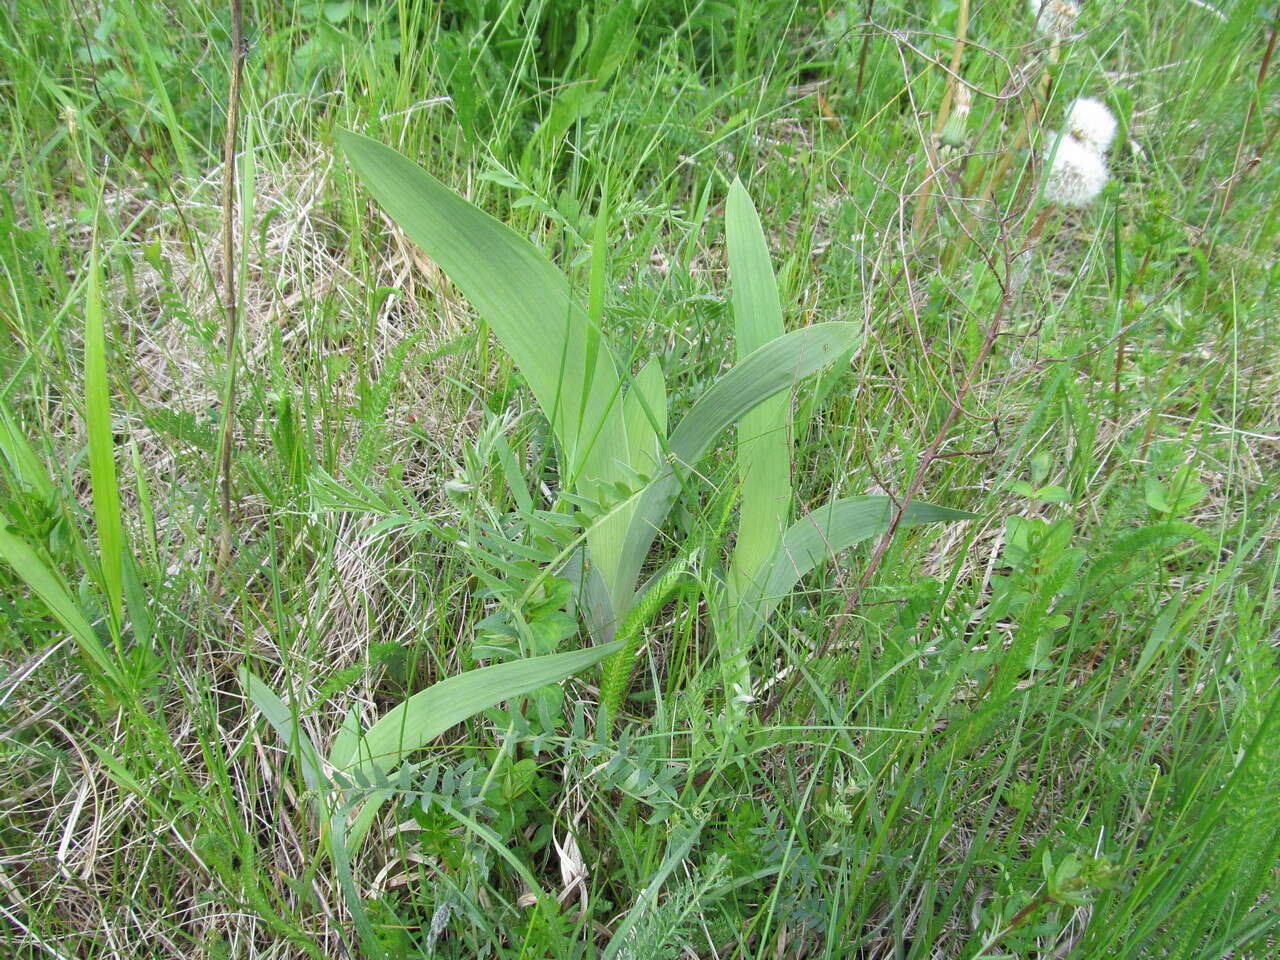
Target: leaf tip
(347,139)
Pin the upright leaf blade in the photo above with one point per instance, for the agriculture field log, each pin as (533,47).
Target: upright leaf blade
(102,455)
(764,442)
(646,413)
(285,722)
(520,294)
(775,367)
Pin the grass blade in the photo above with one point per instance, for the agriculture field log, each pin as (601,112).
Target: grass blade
(678,847)
(24,465)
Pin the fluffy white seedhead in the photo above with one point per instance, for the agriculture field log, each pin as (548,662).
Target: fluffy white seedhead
(1056,19)
(1077,172)
(1090,122)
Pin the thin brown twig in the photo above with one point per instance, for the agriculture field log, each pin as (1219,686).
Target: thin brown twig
(229,281)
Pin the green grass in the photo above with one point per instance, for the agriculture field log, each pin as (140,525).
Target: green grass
(1051,731)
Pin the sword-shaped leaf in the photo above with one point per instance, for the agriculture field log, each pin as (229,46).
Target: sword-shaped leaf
(823,534)
(775,367)
(764,442)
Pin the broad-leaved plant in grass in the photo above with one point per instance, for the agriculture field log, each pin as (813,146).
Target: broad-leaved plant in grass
(617,455)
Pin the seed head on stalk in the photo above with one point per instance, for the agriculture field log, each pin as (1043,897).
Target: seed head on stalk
(1076,172)
(1090,122)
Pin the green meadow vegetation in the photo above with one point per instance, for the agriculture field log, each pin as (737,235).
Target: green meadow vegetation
(639,480)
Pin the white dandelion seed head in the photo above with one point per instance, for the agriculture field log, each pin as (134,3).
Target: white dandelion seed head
(1077,172)
(1090,122)
(1056,19)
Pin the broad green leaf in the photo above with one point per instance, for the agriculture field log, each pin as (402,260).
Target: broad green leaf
(429,713)
(518,292)
(775,367)
(50,589)
(343,749)
(646,416)
(527,303)
(426,715)
(284,722)
(646,413)
(764,442)
(598,278)
(823,534)
(592,596)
